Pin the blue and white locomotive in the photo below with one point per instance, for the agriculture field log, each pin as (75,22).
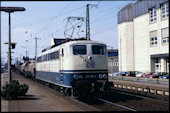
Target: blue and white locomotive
(78,66)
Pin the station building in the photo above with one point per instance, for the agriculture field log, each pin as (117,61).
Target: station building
(143,36)
(113,64)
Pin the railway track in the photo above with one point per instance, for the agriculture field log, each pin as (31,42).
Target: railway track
(118,105)
(149,98)
(159,98)
(120,101)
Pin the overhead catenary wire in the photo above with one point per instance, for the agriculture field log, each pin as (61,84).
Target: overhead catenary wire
(48,31)
(92,22)
(41,20)
(52,17)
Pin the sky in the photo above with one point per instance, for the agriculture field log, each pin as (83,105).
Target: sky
(48,19)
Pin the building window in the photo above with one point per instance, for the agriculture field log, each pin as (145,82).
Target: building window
(165,40)
(165,10)
(165,36)
(153,38)
(158,60)
(153,15)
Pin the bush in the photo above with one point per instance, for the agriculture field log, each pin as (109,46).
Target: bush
(12,90)
(22,89)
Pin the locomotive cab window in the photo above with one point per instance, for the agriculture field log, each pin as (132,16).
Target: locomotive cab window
(98,49)
(79,50)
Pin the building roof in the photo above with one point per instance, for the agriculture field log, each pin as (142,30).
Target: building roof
(140,7)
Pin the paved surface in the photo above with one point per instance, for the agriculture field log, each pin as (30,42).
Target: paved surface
(41,98)
(4,103)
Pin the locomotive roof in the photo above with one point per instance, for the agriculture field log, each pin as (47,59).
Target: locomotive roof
(84,41)
(72,41)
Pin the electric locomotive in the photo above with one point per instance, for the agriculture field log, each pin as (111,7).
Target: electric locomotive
(77,66)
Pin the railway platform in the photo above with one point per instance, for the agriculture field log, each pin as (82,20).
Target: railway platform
(40,98)
(152,88)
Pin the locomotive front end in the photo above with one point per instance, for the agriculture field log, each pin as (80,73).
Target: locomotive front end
(89,67)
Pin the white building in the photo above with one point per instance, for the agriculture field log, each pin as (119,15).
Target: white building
(143,35)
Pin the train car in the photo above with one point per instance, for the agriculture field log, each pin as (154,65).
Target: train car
(80,67)
(22,68)
(30,70)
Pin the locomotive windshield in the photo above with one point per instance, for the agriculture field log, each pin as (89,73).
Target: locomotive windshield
(98,49)
(79,50)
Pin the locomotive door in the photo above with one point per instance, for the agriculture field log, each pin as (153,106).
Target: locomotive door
(61,58)
(61,64)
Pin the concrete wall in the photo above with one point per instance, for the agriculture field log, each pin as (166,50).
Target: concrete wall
(125,38)
(134,43)
(141,43)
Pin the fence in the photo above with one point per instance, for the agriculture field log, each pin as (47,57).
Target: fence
(140,79)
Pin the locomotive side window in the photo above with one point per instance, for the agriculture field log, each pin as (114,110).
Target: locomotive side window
(79,50)
(62,52)
(57,54)
(39,59)
(53,55)
(49,57)
(98,49)
(46,57)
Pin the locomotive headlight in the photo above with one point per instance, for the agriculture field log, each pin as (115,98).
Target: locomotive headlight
(75,76)
(80,76)
(100,76)
(104,76)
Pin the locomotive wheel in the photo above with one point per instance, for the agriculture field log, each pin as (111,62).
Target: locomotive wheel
(73,93)
(51,86)
(47,84)
(56,88)
(34,78)
(63,89)
(25,75)
(68,91)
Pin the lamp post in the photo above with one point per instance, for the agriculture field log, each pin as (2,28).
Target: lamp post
(10,10)
(112,61)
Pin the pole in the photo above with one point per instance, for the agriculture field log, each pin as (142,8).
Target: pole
(27,55)
(112,63)
(20,57)
(10,10)
(0,41)
(17,61)
(26,47)
(35,47)
(87,23)
(9,51)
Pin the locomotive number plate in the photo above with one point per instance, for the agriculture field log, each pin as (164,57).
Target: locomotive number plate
(90,64)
